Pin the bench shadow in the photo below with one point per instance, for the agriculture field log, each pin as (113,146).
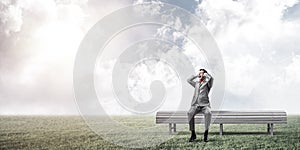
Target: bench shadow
(201,140)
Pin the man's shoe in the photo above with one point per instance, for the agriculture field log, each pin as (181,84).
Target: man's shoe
(192,139)
(193,136)
(205,136)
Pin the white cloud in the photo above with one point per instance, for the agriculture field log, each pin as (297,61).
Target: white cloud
(257,45)
(37,61)
(280,90)
(11,17)
(241,72)
(234,18)
(260,50)
(293,71)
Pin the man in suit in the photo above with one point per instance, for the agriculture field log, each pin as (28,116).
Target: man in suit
(200,102)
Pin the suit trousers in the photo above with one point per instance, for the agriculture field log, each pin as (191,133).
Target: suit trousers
(199,109)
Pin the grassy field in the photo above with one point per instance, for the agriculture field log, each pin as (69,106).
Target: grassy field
(71,132)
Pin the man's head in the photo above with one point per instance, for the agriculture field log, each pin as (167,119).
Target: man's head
(201,73)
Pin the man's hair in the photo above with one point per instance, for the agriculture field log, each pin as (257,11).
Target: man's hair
(203,70)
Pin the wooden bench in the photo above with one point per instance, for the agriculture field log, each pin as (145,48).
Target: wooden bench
(224,117)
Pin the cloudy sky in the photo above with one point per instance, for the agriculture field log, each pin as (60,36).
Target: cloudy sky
(259,42)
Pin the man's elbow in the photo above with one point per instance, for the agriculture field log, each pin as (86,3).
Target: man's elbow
(191,83)
(188,80)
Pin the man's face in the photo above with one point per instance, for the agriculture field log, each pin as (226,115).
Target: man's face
(201,74)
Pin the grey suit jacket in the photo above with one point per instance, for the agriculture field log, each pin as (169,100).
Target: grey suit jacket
(201,92)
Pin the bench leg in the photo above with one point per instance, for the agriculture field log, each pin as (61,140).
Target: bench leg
(221,129)
(172,127)
(271,129)
(268,128)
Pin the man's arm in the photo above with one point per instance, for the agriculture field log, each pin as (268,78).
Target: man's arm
(190,80)
(208,79)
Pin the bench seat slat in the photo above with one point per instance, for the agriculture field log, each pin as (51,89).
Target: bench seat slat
(166,117)
(226,114)
(221,115)
(220,122)
(262,119)
(238,117)
(224,120)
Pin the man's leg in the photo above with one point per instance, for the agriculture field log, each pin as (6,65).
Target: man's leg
(191,119)
(207,117)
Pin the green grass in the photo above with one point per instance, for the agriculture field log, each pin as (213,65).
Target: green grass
(71,132)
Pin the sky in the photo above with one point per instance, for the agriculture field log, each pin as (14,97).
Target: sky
(258,40)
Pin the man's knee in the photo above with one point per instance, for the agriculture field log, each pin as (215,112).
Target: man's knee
(190,115)
(207,112)
(191,112)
